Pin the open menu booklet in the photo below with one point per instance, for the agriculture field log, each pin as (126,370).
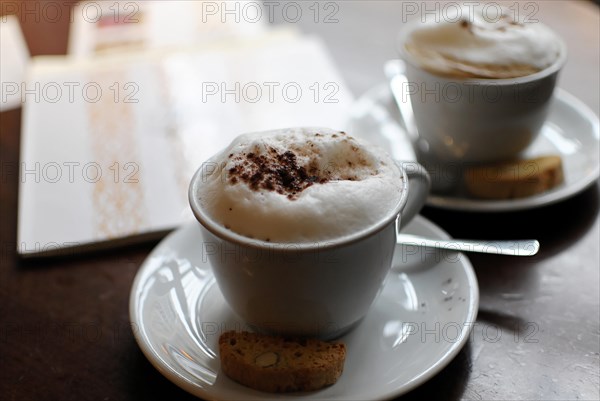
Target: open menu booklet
(109,143)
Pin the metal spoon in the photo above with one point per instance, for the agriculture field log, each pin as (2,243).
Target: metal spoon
(394,72)
(527,247)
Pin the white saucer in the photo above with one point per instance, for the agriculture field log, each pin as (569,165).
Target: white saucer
(417,325)
(571,131)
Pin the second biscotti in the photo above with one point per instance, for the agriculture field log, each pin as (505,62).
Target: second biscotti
(518,179)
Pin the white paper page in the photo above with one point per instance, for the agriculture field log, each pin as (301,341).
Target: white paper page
(100,27)
(146,122)
(14,57)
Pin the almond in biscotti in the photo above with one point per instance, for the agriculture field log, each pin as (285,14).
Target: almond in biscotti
(279,364)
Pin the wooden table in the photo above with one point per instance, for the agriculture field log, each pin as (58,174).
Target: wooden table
(64,324)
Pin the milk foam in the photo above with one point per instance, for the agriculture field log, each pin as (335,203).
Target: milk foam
(481,43)
(300,185)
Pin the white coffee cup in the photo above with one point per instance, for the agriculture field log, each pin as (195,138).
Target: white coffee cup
(320,289)
(477,120)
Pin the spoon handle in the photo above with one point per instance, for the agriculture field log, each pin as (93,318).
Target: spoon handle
(394,70)
(527,247)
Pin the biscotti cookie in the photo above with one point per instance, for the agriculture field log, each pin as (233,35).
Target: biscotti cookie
(516,179)
(278,364)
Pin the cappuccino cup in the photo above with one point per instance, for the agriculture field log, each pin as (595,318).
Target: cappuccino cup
(300,224)
(480,84)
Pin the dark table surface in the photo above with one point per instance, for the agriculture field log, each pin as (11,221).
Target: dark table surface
(64,323)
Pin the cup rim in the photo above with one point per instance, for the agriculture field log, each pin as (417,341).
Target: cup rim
(555,67)
(228,235)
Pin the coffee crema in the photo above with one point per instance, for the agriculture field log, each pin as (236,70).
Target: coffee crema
(300,185)
(479,43)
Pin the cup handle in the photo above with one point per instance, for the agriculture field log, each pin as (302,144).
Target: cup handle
(419,184)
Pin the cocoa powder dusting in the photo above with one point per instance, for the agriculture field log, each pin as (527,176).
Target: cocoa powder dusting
(274,171)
